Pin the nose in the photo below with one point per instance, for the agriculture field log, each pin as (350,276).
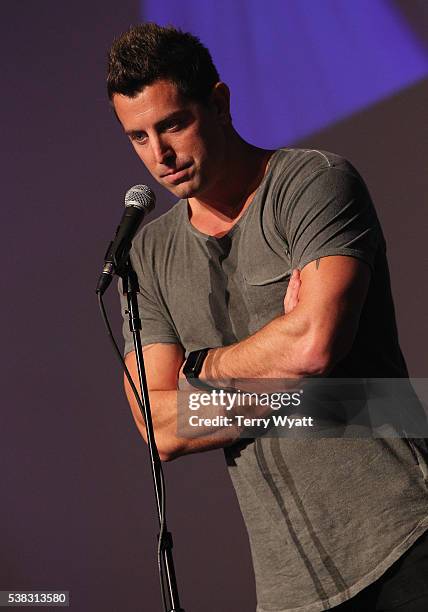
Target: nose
(162,150)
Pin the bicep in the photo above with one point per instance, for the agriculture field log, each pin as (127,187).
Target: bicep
(162,363)
(332,294)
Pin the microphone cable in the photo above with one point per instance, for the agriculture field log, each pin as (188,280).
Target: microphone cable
(162,492)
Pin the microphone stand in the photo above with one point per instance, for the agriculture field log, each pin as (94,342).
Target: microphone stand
(131,288)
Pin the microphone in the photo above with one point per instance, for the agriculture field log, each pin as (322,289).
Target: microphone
(139,200)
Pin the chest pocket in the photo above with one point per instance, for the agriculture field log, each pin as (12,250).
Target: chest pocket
(266,296)
(266,272)
(264,265)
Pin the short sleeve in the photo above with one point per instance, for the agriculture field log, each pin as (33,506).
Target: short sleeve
(331,213)
(156,323)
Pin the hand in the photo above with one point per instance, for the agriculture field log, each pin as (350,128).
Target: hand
(291,298)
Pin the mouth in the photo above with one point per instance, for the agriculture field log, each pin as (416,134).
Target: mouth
(176,175)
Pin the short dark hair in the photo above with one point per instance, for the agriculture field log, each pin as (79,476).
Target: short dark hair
(148,52)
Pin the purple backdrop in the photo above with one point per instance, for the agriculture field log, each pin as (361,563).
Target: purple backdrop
(297,66)
(77,510)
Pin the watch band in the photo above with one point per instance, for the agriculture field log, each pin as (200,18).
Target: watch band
(192,368)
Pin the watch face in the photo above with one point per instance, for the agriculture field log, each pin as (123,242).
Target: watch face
(194,363)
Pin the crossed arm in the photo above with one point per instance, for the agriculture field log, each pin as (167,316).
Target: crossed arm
(322,311)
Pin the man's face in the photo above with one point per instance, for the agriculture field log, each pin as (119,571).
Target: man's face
(181,142)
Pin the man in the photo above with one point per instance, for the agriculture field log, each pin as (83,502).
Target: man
(328,519)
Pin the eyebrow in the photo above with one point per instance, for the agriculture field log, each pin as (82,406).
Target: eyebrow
(159,125)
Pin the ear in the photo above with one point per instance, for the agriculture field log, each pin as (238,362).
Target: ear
(220,100)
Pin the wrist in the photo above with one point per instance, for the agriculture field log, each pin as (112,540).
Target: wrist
(212,368)
(207,371)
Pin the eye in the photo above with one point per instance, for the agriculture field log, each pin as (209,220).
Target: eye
(171,127)
(139,137)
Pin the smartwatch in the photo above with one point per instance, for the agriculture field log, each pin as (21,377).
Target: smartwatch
(194,362)
(193,366)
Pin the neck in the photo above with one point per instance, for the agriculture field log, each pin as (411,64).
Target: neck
(243,170)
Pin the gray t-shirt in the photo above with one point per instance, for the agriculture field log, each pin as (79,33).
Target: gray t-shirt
(325,517)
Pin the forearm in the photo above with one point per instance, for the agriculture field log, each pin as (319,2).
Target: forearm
(284,348)
(169,421)
(309,340)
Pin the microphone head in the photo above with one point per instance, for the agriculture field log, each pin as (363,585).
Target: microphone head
(140,196)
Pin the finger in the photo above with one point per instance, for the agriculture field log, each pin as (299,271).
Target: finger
(292,294)
(289,291)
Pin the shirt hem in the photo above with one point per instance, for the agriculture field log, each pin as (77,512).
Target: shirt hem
(339,598)
(338,251)
(151,340)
